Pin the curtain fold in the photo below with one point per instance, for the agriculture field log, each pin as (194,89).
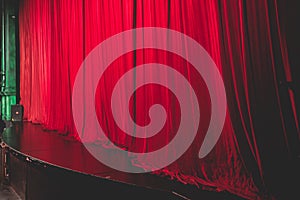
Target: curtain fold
(246,42)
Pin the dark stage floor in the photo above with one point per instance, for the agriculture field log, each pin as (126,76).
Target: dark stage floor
(53,149)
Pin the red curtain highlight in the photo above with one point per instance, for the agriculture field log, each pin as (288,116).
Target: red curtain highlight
(243,37)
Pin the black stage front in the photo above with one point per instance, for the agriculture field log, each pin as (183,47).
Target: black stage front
(42,164)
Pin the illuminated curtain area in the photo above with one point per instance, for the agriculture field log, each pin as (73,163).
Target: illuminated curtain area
(243,38)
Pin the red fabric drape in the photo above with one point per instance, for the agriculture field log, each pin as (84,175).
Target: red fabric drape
(243,38)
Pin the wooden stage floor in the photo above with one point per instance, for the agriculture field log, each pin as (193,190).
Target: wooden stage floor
(33,143)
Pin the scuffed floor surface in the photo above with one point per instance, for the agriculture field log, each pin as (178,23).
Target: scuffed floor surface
(8,193)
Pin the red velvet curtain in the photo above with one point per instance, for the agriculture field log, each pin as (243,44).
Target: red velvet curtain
(243,38)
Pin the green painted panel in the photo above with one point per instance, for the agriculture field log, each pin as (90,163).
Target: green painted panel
(8,57)
(6,103)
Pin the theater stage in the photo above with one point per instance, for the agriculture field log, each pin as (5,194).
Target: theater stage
(41,164)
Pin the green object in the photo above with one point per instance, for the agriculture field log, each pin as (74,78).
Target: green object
(8,57)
